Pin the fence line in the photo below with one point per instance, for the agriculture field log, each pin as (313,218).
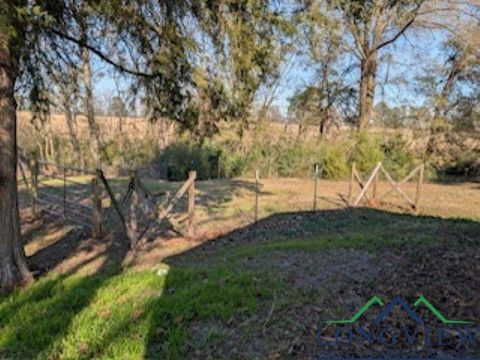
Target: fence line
(84,207)
(56,200)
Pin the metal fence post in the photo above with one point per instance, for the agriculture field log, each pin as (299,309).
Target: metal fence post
(133,225)
(96,206)
(315,177)
(419,187)
(257,176)
(350,185)
(64,193)
(34,175)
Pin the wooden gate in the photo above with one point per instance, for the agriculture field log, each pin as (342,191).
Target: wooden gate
(162,210)
(372,182)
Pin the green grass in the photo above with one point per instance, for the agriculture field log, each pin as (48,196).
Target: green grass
(121,314)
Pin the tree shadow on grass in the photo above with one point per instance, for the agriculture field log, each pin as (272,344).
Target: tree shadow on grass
(200,311)
(210,194)
(35,321)
(456,179)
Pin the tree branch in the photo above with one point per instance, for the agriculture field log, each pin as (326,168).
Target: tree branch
(405,27)
(101,55)
(393,39)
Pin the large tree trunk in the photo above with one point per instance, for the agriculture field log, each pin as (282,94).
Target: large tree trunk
(368,70)
(13,265)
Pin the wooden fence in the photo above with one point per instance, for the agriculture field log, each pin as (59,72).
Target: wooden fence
(81,205)
(372,182)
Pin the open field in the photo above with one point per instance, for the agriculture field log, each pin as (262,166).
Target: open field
(111,127)
(135,126)
(225,204)
(241,290)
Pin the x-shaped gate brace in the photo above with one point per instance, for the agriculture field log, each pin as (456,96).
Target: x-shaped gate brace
(395,186)
(163,210)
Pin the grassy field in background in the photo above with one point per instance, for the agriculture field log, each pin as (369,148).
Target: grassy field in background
(227,204)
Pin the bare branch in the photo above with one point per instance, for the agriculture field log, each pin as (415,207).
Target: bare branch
(101,55)
(395,37)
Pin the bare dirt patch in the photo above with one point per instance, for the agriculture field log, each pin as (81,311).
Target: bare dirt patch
(287,326)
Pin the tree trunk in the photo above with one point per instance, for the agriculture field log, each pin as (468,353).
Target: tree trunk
(120,124)
(52,154)
(324,120)
(13,265)
(440,111)
(88,100)
(72,131)
(368,69)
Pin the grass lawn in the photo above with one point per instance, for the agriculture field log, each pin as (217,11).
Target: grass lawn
(259,291)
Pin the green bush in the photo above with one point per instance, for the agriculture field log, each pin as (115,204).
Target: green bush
(296,159)
(397,158)
(334,162)
(367,151)
(178,159)
(465,164)
(232,165)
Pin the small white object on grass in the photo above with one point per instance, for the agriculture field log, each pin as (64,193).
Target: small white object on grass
(162,272)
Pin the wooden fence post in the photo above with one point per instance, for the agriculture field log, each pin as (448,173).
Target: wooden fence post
(115,204)
(350,185)
(315,177)
(133,221)
(257,176)
(191,205)
(34,176)
(374,186)
(419,187)
(96,206)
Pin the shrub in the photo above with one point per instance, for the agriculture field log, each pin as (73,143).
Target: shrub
(367,151)
(465,164)
(178,159)
(296,159)
(232,165)
(334,162)
(398,160)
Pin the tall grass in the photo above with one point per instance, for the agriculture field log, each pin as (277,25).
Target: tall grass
(274,154)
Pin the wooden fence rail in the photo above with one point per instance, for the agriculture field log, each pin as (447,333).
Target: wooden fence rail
(395,186)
